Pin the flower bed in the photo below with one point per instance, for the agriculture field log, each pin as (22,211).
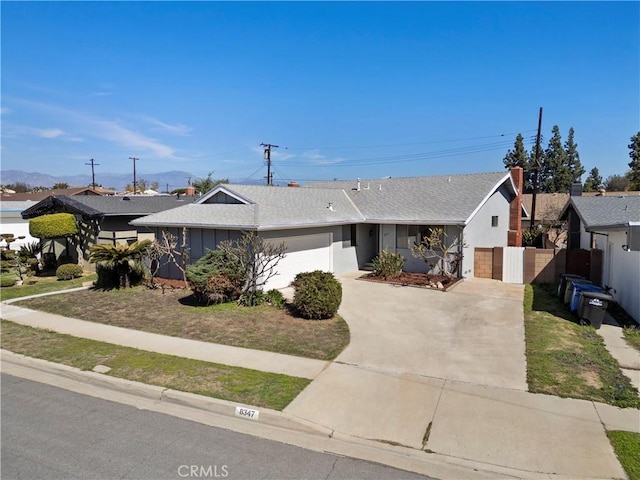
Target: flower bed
(423,280)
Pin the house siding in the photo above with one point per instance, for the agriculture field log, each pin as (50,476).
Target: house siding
(480,233)
(622,272)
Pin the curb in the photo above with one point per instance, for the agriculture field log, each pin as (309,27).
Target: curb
(160,394)
(271,424)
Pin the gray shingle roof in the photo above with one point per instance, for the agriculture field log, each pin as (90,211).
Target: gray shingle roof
(435,199)
(607,211)
(100,206)
(268,208)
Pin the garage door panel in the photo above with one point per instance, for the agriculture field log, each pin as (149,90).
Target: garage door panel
(304,253)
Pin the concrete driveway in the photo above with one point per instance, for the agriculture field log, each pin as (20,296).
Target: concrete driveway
(473,333)
(406,344)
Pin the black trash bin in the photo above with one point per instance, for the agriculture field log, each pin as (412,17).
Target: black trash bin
(593,306)
(564,279)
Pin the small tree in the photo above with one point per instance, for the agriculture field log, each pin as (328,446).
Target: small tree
(634,153)
(56,225)
(258,258)
(165,251)
(60,186)
(434,247)
(203,185)
(593,181)
(119,257)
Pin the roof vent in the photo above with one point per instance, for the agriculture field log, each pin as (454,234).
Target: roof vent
(358,185)
(330,207)
(380,186)
(126,199)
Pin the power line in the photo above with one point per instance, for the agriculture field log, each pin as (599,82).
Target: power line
(93,174)
(408,144)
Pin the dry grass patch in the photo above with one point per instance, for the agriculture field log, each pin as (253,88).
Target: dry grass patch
(174,313)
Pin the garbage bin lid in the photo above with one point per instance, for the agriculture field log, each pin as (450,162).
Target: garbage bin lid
(596,294)
(586,287)
(580,281)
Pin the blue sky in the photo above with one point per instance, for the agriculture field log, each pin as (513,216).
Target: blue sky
(350,89)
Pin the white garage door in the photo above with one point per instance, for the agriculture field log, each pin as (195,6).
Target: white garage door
(305,253)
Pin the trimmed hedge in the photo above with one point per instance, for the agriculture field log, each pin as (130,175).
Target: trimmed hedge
(317,294)
(68,271)
(8,280)
(52,226)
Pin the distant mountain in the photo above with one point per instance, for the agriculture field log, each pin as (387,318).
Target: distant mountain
(174,179)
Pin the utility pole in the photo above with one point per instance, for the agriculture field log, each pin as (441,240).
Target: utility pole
(535,173)
(134,172)
(93,174)
(267,157)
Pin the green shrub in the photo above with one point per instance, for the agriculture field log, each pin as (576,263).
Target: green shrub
(49,260)
(274,298)
(68,271)
(109,276)
(55,225)
(29,250)
(388,265)
(317,294)
(216,278)
(8,280)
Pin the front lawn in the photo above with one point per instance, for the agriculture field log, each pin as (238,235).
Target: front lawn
(249,387)
(43,284)
(569,360)
(174,313)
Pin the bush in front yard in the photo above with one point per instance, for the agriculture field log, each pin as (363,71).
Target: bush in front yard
(216,278)
(388,265)
(317,294)
(8,280)
(68,271)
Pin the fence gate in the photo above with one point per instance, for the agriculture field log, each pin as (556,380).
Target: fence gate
(513,265)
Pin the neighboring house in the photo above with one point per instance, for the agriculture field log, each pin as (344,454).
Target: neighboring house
(103,219)
(342,226)
(41,195)
(11,221)
(549,207)
(610,223)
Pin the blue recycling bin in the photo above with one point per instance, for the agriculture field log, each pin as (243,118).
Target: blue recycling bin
(565,278)
(571,283)
(578,289)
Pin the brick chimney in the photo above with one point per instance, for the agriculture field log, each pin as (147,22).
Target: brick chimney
(293,184)
(514,236)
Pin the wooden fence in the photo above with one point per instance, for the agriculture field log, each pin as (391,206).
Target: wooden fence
(536,265)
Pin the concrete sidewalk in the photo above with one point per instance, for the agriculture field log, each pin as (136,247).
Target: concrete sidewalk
(485,428)
(181,347)
(627,356)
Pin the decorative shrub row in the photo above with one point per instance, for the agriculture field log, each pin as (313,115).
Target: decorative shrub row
(317,294)
(68,271)
(8,280)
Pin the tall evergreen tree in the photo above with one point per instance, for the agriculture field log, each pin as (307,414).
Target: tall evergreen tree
(519,157)
(634,164)
(593,181)
(554,174)
(573,159)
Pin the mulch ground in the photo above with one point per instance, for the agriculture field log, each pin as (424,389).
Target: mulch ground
(424,280)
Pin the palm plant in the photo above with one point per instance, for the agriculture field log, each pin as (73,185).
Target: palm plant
(119,257)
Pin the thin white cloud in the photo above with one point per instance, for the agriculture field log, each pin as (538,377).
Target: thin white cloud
(48,132)
(318,159)
(5,111)
(177,129)
(113,131)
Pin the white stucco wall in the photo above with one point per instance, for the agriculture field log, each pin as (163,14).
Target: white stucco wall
(480,233)
(622,272)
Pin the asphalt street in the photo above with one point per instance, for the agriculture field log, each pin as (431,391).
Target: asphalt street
(51,433)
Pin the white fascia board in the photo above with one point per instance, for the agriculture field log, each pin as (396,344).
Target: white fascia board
(224,189)
(491,192)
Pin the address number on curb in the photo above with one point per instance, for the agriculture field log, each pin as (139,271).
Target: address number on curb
(247,413)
